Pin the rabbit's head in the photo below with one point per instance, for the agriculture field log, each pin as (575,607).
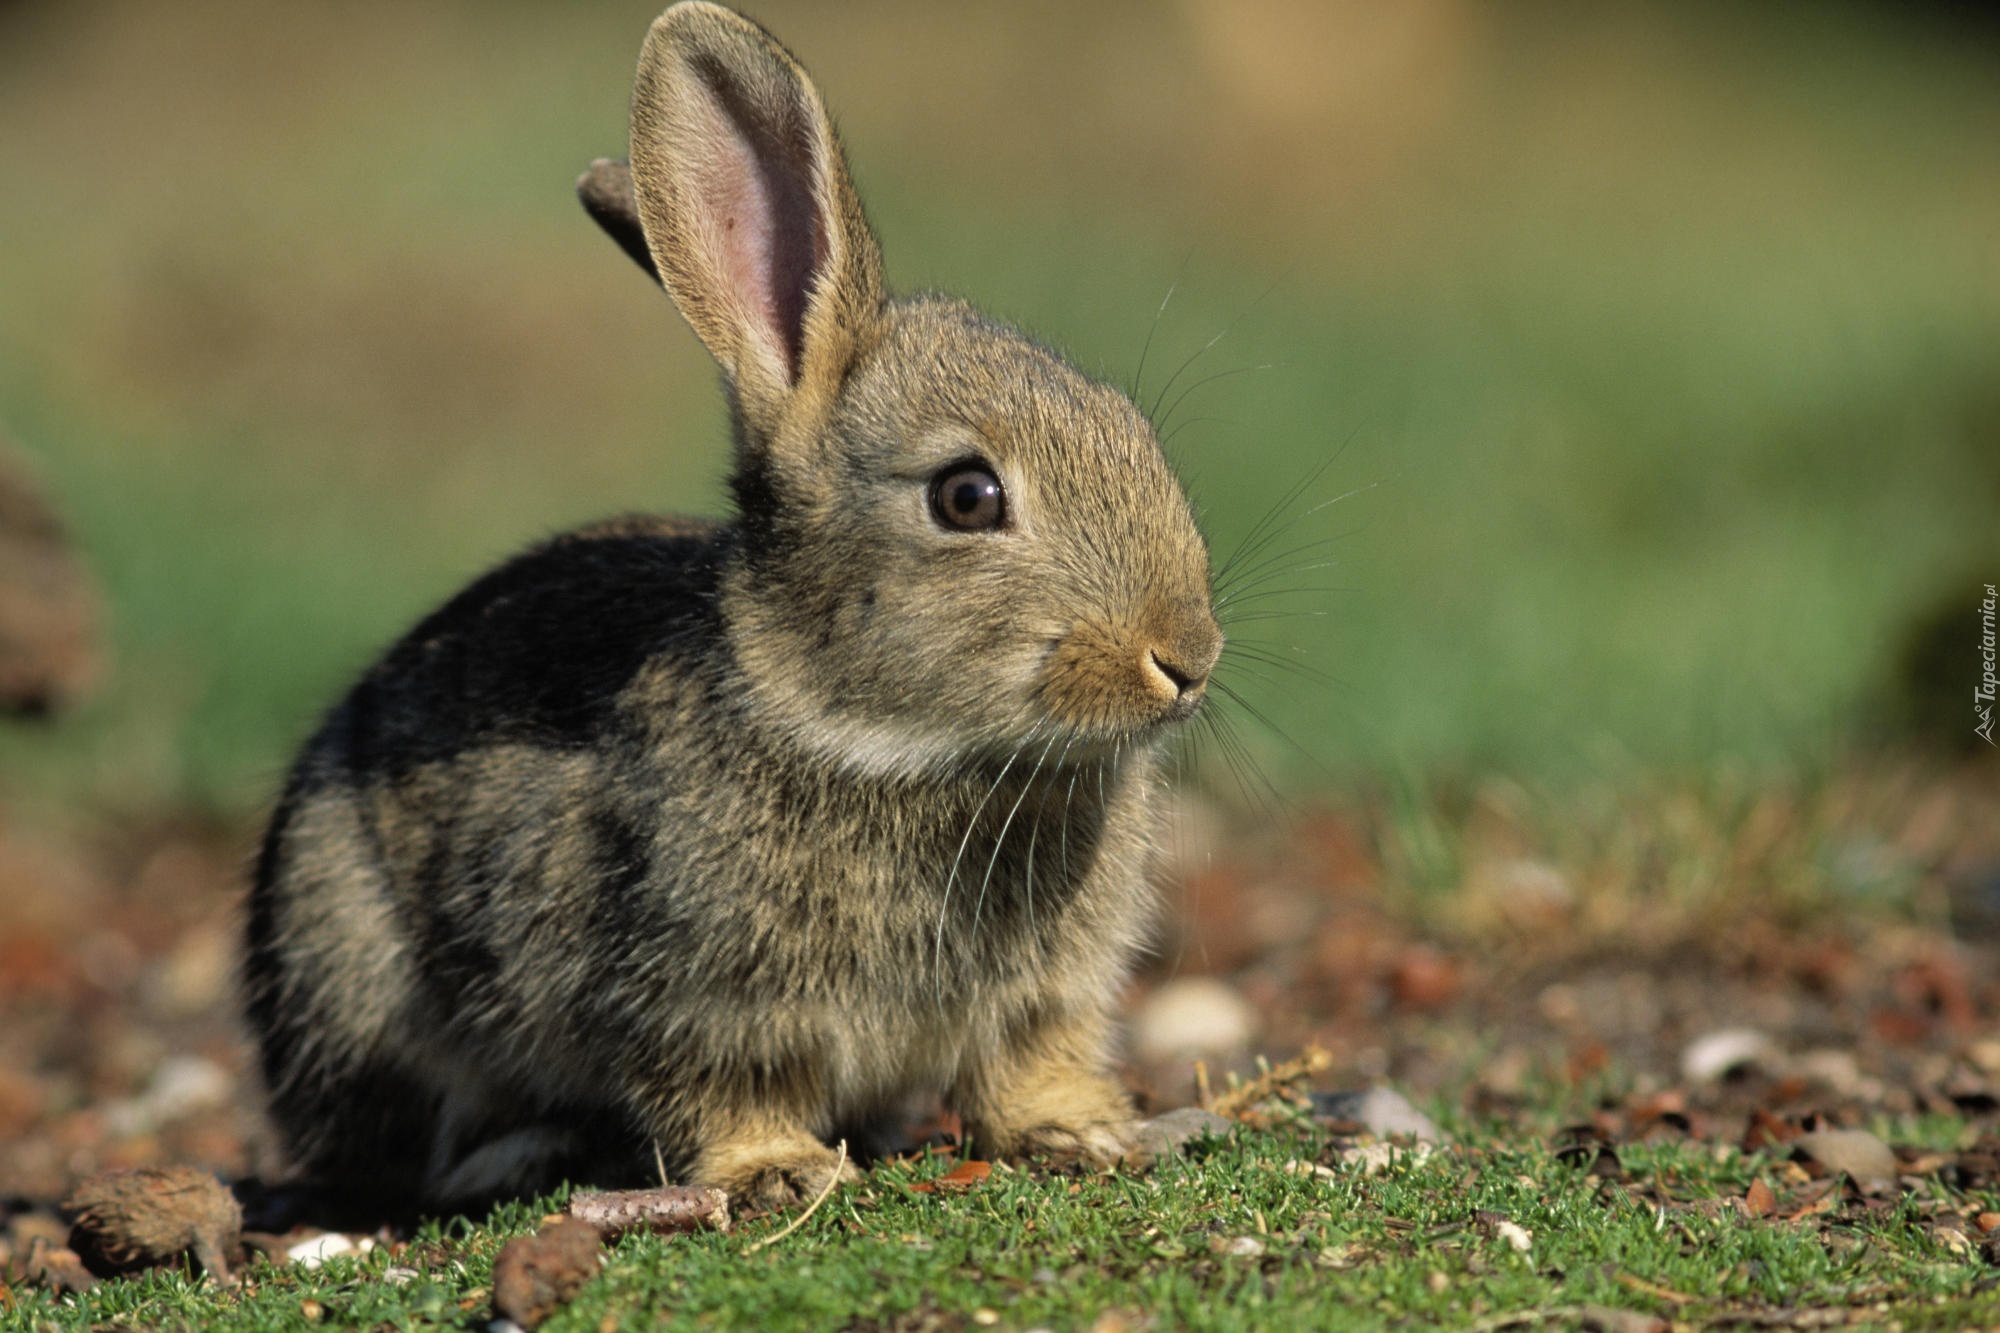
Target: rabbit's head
(953,547)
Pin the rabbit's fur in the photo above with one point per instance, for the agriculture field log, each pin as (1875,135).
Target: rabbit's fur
(727,838)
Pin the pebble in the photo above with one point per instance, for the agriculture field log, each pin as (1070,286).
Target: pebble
(1854,1152)
(1168,1133)
(535,1275)
(1839,1071)
(1718,1054)
(1197,1017)
(181,1086)
(1384,1112)
(1375,1158)
(196,976)
(316,1250)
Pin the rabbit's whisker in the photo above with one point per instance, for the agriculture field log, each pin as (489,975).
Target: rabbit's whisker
(1257,652)
(1262,531)
(1069,802)
(1263,584)
(1152,413)
(971,826)
(1248,775)
(1167,438)
(1139,375)
(1203,383)
(1275,522)
(1256,616)
(999,842)
(1228,580)
(1312,761)
(1041,806)
(1327,589)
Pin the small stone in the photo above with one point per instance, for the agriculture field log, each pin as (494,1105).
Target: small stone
(55,1268)
(985,1318)
(1852,1152)
(1375,1158)
(1170,1132)
(536,1275)
(1422,978)
(195,977)
(1244,1247)
(1839,1071)
(311,1311)
(1715,1056)
(316,1250)
(1384,1112)
(1193,1017)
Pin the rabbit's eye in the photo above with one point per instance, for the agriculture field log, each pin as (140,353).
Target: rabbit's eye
(967,497)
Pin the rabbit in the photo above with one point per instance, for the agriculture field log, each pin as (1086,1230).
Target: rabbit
(706,843)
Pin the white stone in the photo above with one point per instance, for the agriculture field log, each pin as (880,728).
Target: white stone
(1709,1057)
(1193,1017)
(316,1250)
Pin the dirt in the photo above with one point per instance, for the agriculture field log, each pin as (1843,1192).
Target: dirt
(1540,962)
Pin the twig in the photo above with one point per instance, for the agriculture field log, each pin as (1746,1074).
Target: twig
(811,1208)
(1271,1082)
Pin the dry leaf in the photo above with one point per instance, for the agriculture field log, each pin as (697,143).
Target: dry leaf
(961,1177)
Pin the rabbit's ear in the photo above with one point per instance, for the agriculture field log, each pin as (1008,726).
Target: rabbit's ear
(753,224)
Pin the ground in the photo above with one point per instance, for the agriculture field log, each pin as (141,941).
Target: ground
(1625,1013)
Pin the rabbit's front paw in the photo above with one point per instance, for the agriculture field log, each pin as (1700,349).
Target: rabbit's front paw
(1055,1111)
(1094,1146)
(775,1173)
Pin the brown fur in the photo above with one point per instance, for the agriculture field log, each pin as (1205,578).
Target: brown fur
(728,838)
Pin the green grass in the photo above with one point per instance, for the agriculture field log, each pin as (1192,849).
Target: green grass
(1417,1246)
(1665,421)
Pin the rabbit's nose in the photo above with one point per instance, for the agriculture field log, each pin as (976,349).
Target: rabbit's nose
(1180,668)
(1182,678)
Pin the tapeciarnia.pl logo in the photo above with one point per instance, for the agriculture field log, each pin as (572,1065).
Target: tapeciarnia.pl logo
(1983,692)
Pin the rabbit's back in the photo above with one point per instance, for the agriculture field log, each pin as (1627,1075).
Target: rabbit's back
(472,791)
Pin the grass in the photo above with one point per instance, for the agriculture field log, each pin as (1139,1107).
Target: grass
(1241,1234)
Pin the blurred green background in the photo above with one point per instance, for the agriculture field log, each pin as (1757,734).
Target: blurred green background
(1659,344)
